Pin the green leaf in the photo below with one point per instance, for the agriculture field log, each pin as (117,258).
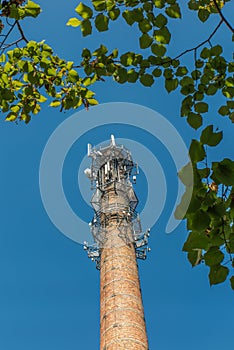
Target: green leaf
(231,238)
(203,14)
(36,109)
(223,172)
(159,3)
(87,81)
(52,72)
(160,21)
(121,76)
(232,282)
(15,109)
(228,92)
(186,81)
(144,26)
(193,5)
(55,103)
(217,210)
(171,84)
(86,27)
(196,240)
(102,50)
(41,98)
(99,5)
(216,50)
(84,11)
(128,16)
(205,79)
(230,104)
(218,274)
(157,72)
(32,9)
(127,59)
(199,63)
(11,117)
(213,256)
(158,50)
(148,6)
(146,79)
(162,35)
(196,151)
(114,14)
(194,205)
(86,54)
(3,58)
(205,53)
(168,73)
(16,12)
(145,41)
(25,117)
(199,221)
(210,138)
(137,13)
(115,53)
(173,11)
(195,256)
(181,71)
(89,94)
(73,76)
(198,96)
(223,110)
(196,74)
(211,90)
(132,76)
(101,22)
(74,22)
(194,120)
(231,67)
(7,95)
(231,116)
(201,107)
(186,106)
(92,101)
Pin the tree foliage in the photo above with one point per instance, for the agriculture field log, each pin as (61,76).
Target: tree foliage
(30,74)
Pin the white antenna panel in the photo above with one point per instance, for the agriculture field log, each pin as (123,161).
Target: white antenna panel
(105,169)
(89,149)
(113,140)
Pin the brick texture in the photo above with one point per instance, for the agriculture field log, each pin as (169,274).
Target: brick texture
(122,323)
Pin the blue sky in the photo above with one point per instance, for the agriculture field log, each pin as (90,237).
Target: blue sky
(49,290)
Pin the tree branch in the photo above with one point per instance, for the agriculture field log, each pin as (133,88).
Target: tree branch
(202,43)
(11,44)
(21,32)
(222,16)
(6,36)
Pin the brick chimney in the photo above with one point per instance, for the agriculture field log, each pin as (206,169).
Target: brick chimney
(118,243)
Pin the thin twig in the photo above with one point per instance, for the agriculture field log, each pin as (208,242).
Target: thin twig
(201,44)
(11,44)
(21,32)
(6,36)
(222,16)
(9,24)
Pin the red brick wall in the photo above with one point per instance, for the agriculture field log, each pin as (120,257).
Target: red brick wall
(122,323)
(121,311)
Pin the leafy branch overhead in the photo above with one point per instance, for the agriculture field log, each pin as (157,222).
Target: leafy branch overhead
(31,74)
